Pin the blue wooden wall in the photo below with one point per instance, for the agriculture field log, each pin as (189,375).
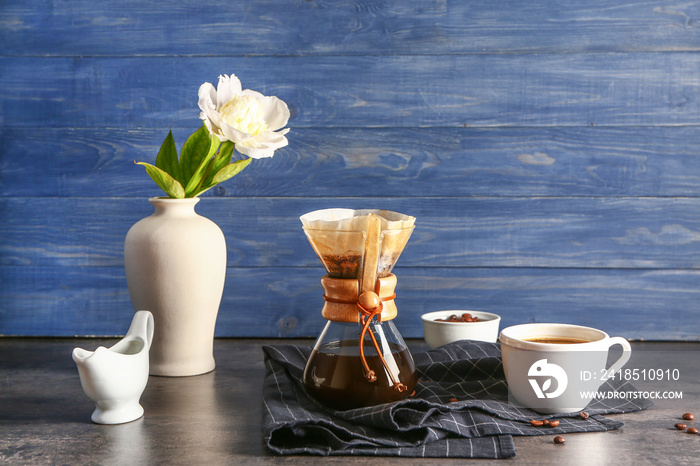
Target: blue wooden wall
(550,151)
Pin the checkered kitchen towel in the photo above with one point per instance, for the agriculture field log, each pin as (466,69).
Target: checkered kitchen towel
(479,425)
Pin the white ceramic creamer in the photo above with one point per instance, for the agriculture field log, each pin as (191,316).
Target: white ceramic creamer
(115,377)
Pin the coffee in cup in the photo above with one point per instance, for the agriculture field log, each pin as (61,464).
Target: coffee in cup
(557,368)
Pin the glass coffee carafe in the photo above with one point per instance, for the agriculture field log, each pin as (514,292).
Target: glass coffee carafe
(360,358)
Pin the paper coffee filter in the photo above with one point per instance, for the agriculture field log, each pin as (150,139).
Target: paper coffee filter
(339,237)
(354,220)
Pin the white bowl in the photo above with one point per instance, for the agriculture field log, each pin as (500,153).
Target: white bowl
(441,333)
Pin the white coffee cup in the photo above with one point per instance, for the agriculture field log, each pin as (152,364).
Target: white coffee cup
(558,377)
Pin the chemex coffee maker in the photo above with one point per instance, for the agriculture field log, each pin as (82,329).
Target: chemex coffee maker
(360,358)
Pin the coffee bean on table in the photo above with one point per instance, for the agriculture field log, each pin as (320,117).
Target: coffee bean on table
(688,416)
(536,423)
(583,415)
(680,426)
(559,439)
(554,423)
(692,430)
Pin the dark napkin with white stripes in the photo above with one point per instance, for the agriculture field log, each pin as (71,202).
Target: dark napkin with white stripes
(480,424)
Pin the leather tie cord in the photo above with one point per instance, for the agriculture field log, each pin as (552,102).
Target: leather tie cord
(346,301)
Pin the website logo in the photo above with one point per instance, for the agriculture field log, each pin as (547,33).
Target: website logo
(546,372)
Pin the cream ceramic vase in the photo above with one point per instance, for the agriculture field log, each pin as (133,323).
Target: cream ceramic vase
(175,263)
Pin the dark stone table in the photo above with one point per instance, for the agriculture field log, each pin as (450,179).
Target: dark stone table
(215,418)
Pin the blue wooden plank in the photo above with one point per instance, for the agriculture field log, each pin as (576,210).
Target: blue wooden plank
(286,302)
(273,27)
(373,162)
(368,91)
(645,233)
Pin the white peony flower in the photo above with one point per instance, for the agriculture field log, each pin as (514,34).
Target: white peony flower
(247,118)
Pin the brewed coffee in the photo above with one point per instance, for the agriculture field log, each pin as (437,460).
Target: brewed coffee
(558,340)
(334,375)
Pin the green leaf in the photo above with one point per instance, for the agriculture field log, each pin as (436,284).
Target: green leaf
(167,183)
(194,151)
(222,159)
(198,176)
(229,171)
(167,157)
(225,153)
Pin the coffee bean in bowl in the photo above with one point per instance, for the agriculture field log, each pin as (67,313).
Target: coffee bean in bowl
(466,317)
(443,327)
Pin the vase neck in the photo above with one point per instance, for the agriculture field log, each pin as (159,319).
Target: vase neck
(174,207)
